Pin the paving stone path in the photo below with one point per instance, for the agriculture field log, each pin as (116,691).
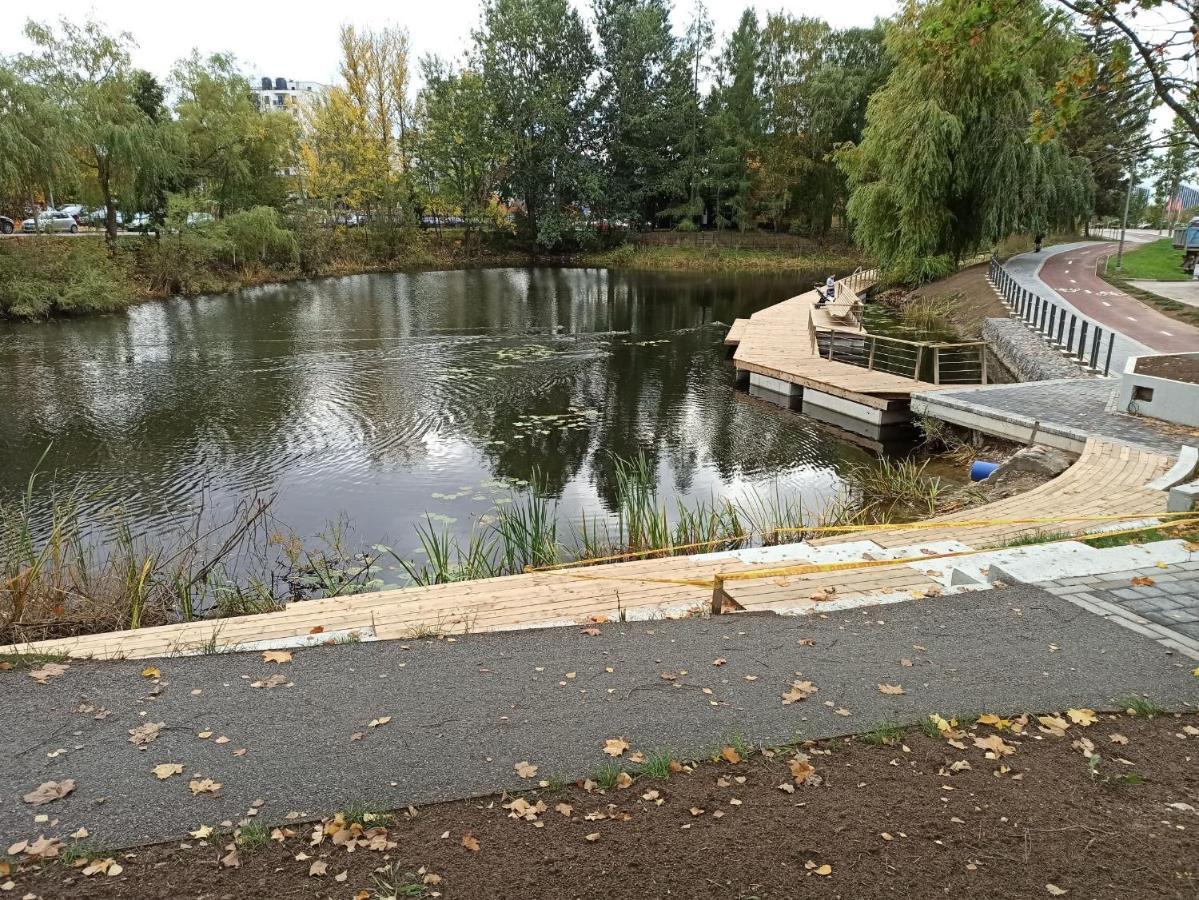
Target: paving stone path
(1165,609)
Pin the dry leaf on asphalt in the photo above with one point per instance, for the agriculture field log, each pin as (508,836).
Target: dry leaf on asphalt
(277,656)
(203,786)
(719,661)
(202,832)
(799,690)
(163,771)
(615,746)
(272,682)
(49,791)
(375,723)
(525,769)
(470,842)
(151,672)
(591,632)
(1083,717)
(48,671)
(730,755)
(890,689)
(145,733)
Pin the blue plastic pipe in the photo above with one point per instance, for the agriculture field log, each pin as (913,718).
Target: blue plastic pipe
(980,469)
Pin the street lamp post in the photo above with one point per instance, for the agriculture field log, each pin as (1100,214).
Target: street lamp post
(1124,222)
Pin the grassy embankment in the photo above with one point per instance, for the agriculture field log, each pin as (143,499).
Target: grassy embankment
(1155,261)
(840,260)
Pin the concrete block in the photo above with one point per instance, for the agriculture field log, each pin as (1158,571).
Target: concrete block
(1183,498)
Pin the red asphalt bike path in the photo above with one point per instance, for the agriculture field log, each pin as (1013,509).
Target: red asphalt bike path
(1072,274)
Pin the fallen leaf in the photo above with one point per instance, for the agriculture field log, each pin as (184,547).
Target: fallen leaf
(801,769)
(994,744)
(1083,717)
(525,769)
(470,842)
(375,723)
(49,791)
(594,836)
(163,771)
(730,754)
(1054,889)
(890,689)
(48,671)
(316,629)
(203,786)
(565,809)
(826,869)
(799,690)
(273,682)
(277,656)
(151,672)
(79,835)
(1054,725)
(1143,581)
(719,661)
(591,632)
(318,868)
(842,711)
(615,746)
(231,860)
(1117,738)
(905,662)
(202,832)
(145,733)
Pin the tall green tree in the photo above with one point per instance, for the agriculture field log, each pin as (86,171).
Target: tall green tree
(34,147)
(87,74)
(951,159)
(460,154)
(737,126)
(695,167)
(639,127)
(535,57)
(234,152)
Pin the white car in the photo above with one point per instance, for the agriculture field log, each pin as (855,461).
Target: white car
(51,220)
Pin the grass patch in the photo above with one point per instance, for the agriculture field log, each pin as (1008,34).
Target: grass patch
(891,488)
(392,882)
(1155,261)
(253,836)
(19,661)
(1140,706)
(366,816)
(929,727)
(81,852)
(657,764)
(883,734)
(605,776)
(718,259)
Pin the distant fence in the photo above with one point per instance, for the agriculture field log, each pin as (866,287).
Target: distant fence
(737,240)
(1075,336)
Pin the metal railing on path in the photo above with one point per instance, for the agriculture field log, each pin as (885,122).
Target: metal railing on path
(1062,327)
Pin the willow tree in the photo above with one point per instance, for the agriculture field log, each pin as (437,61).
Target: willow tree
(954,157)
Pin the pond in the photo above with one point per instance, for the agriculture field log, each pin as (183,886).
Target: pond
(386,398)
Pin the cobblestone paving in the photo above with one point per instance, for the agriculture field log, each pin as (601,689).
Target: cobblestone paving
(1166,610)
(1079,403)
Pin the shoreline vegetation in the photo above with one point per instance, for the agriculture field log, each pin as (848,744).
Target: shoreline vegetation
(44,277)
(65,573)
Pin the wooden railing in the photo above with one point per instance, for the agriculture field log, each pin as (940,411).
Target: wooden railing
(933,361)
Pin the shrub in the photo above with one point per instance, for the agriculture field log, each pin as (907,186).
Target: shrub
(42,276)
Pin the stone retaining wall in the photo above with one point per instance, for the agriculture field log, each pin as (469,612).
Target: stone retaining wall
(1027,356)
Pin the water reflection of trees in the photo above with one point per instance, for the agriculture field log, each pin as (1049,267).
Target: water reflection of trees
(309,383)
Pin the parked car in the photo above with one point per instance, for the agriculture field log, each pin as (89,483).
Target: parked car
(199,218)
(97,216)
(139,222)
(51,220)
(76,211)
(6,225)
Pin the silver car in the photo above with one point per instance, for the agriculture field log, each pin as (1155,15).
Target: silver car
(51,220)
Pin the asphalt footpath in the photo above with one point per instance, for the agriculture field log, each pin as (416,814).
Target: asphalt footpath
(388,724)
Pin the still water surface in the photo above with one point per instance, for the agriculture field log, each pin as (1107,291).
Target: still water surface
(386,397)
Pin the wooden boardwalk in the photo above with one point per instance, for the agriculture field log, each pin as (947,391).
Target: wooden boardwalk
(1107,480)
(779,342)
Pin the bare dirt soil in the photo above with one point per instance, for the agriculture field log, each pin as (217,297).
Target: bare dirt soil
(1024,808)
(1179,368)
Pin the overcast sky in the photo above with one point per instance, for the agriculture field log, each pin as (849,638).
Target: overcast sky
(299,39)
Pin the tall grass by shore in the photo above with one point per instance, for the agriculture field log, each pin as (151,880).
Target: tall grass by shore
(724,259)
(64,572)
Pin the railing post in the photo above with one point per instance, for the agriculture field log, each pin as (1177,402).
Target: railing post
(1061,327)
(1082,339)
(832,339)
(1052,316)
(982,356)
(936,365)
(1107,365)
(873,345)
(919,360)
(1070,338)
(1095,348)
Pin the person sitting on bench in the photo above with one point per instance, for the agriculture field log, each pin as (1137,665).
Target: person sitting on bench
(829,294)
